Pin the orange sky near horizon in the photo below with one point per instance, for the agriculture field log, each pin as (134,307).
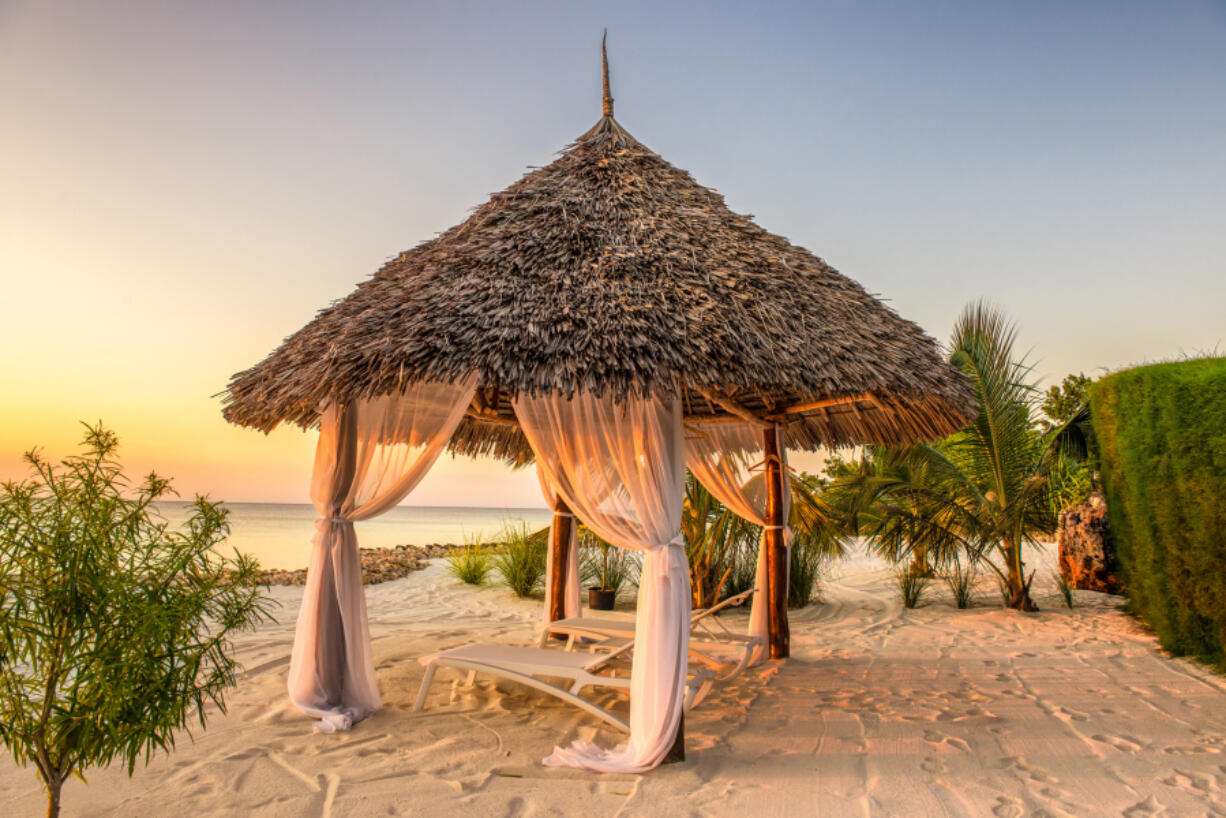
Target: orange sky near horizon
(182,185)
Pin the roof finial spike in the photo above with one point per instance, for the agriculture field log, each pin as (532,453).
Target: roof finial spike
(607,99)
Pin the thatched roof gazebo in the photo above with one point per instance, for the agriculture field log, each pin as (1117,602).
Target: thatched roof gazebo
(612,275)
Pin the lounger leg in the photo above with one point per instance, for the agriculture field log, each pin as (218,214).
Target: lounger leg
(425,686)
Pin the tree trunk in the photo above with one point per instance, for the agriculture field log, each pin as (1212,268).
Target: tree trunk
(1019,586)
(53,797)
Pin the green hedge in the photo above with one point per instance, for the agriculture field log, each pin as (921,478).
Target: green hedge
(1161,432)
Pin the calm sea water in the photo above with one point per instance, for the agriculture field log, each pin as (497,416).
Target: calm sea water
(279,534)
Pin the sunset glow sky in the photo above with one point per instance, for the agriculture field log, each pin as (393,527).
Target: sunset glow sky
(183,184)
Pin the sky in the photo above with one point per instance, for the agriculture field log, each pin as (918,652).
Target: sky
(184,184)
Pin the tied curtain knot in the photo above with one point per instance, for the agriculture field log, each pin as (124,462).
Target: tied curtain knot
(674,552)
(325,524)
(787,533)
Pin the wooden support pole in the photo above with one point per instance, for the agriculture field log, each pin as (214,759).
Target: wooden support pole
(559,547)
(776,547)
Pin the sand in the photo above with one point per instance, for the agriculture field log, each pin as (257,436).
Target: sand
(880,711)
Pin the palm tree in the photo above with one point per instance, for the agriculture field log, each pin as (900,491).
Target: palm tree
(875,498)
(984,490)
(714,537)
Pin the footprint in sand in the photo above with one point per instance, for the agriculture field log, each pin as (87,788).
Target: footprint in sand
(934,766)
(1191,750)
(1150,806)
(1121,743)
(1191,781)
(1007,807)
(937,738)
(1020,764)
(1073,714)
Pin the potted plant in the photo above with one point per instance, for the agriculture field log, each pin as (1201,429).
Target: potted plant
(602,597)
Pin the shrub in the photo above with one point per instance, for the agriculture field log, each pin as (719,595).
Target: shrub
(911,587)
(1161,434)
(471,563)
(115,630)
(521,560)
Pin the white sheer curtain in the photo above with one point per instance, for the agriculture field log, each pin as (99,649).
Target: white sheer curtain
(723,457)
(571,593)
(621,469)
(369,456)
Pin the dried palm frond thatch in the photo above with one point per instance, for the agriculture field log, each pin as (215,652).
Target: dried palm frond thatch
(612,271)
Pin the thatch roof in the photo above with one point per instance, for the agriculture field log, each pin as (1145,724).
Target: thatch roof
(612,271)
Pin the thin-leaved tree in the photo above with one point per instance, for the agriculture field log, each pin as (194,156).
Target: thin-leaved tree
(115,630)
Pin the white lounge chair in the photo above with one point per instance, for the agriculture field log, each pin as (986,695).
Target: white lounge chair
(531,666)
(711,643)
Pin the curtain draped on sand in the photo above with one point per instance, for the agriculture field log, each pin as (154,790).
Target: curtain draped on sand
(369,456)
(621,469)
(722,457)
(571,598)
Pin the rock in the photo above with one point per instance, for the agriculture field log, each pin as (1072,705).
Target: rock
(378,565)
(1087,554)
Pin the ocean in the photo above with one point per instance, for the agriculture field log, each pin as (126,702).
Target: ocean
(279,534)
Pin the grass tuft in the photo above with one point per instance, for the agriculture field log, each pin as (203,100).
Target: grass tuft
(521,559)
(471,563)
(1066,590)
(911,587)
(960,581)
(804,574)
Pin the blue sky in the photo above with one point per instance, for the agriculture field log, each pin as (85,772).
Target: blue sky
(184,184)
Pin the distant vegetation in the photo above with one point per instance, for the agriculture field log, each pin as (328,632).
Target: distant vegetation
(115,630)
(1161,432)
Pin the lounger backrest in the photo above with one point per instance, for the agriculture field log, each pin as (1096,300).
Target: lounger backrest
(703,613)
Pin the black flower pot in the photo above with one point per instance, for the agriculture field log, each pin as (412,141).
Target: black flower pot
(601,599)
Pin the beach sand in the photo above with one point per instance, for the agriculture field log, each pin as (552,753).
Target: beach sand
(880,711)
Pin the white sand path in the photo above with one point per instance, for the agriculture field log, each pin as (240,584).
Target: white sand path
(880,711)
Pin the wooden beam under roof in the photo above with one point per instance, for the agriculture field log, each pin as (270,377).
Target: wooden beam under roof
(824,403)
(734,407)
